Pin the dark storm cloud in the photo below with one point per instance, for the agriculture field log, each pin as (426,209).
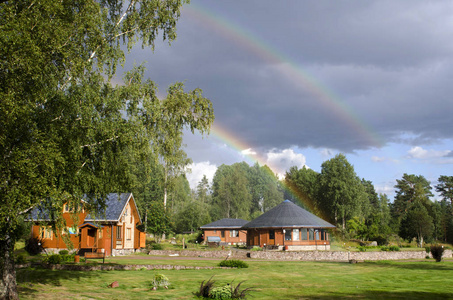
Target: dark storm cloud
(388,63)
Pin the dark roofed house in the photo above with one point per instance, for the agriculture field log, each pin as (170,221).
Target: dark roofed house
(111,231)
(288,226)
(228,230)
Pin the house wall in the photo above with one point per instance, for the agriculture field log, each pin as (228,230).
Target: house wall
(105,237)
(260,237)
(231,240)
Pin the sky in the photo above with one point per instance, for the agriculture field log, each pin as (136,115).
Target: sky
(294,83)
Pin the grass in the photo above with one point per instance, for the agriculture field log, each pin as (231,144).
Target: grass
(287,280)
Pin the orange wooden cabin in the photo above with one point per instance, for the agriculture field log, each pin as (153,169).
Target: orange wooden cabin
(228,230)
(290,227)
(112,231)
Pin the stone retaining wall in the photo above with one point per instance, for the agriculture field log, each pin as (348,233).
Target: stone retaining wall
(342,255)
(239,254)
(99,267)
(301,255)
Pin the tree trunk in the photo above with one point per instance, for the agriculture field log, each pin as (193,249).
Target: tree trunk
(8,286)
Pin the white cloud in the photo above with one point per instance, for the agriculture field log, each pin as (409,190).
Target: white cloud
(420,153)
(198,170)
(383,159)
(283,160)
(327,153)
(387,188)
(248,151)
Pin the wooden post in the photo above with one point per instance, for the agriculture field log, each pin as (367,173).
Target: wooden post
(183,244)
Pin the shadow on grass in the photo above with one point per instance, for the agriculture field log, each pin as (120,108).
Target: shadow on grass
(380,295)
(421,265)
(28,278)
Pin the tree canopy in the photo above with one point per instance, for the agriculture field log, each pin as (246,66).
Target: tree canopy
(65,129)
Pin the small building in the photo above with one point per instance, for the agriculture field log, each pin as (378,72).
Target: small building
(112,231)
(290,227)
(228,230)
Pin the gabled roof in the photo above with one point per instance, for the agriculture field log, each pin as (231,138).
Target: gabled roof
(287,214)
(225,223)
(115,204)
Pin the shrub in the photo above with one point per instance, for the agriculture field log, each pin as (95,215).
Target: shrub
(160,280)
(256,248)
(427,249)
(205,288)
(156,247)
(361,248)
(233,263)
(63,252)
(384,248)
(394,248)
(222,292)
(33,246)
(53,259)
(437,251)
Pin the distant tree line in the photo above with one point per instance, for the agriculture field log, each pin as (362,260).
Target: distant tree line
(352,204)
(336,194)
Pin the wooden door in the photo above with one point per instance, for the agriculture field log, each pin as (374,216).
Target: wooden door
(271,237)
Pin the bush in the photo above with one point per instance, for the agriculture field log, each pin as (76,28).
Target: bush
(53,259)
(427,249)
(233,263)
(394,248)
(160,280)
(361,248)
(63,252)
(256,248)
(229,291)
(437,251)
(33,246)
(223,292)
(156,247)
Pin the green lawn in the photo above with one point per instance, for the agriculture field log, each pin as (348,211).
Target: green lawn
(270,279)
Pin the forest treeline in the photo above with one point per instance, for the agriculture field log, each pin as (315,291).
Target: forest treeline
(336,193)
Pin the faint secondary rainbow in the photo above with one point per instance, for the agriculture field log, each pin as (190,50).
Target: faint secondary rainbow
(287,68)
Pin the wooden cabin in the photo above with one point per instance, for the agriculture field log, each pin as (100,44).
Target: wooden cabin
(290,227)
(111,231)
(228,230)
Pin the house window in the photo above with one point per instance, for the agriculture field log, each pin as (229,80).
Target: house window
(311,232)
(272,234)
(304,234)
(46,233)
(295,234)
(222,233)
(118,232)
(288,235)
(128,234)
(317,234)
(234,233)
(68,208)
(100,233)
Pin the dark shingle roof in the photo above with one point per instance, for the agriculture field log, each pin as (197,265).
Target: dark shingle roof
(287,214)
(225,223)
(114,205)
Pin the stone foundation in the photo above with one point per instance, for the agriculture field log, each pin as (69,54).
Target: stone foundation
(121,252)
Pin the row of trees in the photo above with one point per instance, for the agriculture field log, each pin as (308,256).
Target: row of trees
(237,191)
(352,204)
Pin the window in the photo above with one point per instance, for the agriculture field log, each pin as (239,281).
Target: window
(46,233)
(295,234)
(311,231)
(272,234)
(128,234)
(288,235)
(317,234)
(304,234)
(100,233)
(234,233)
(222,233)
(118,232)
